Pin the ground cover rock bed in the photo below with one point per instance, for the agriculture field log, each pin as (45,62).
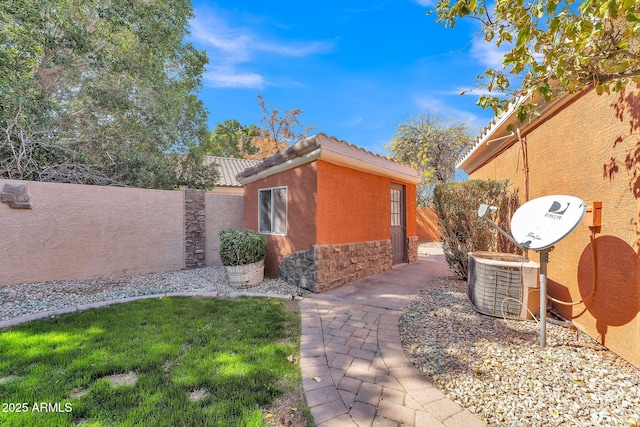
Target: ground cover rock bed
(24,299)
(497,369)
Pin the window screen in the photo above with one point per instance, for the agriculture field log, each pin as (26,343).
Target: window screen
(272,210)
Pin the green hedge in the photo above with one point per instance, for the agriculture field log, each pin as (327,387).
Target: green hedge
(239,247)
(462,231)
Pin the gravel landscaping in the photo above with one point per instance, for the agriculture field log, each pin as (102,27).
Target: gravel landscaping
(497,369)
(24,299)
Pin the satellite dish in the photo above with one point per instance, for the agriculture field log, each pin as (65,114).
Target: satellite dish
(542,222)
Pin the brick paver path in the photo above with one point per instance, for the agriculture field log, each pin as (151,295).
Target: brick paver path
(354,370)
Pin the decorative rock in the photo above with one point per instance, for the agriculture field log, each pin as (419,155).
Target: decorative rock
(16,196)
(497,370)
(30,298)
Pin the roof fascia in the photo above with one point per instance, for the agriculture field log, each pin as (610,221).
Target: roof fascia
(341,154)
(281,167)
(497,138)
(495,133)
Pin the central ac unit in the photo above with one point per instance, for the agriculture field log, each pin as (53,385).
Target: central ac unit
(504,285)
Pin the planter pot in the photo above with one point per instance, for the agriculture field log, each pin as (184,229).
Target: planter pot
(245,276)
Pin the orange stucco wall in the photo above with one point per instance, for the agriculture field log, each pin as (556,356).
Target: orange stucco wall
(301,183)
(410,194)
(355,206)
(327,204)
(590,149)
(427,225)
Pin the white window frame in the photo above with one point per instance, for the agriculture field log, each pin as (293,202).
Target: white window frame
(272,213)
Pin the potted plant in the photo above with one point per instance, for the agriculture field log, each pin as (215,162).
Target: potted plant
(242,253)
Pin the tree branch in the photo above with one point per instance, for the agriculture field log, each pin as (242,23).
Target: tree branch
(604,78)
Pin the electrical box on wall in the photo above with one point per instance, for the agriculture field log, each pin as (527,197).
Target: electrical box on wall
(594,216)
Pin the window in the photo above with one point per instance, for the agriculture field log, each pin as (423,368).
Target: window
(396,207)
(272,210)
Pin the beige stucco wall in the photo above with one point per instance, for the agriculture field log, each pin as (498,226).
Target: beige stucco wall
(79,231)
(224,211)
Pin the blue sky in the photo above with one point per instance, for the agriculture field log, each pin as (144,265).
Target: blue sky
(356,68)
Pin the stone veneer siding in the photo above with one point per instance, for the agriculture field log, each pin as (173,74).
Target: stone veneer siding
(325,267)
(194,227)
(412,249)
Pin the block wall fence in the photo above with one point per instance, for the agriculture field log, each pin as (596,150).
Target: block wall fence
(427,225)
(56,231)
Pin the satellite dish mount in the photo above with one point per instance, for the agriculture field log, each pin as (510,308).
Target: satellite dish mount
(538,225)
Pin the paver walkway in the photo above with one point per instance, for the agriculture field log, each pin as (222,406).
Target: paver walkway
(354,370)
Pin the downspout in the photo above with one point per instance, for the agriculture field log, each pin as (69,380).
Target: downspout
(525,161)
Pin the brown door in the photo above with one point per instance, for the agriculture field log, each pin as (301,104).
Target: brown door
(397,224)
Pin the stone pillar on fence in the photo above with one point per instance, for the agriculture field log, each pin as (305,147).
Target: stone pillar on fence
(194,228)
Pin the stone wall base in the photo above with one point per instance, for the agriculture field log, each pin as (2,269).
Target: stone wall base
(325,267)
(412,249)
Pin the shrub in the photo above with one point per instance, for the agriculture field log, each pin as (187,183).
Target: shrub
(462,231)
(239,247)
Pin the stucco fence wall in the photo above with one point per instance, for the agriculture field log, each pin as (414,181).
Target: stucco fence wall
(64,231)
(427,225)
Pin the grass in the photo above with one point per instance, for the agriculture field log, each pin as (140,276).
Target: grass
(188,362)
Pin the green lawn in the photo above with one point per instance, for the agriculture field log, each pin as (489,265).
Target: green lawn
(189,362)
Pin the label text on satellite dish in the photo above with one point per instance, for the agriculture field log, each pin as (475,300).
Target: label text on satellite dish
(534,236)
(554,211)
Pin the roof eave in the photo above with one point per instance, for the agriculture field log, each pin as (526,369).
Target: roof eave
(496,137)
(496,131)
(321,147)
(347,156)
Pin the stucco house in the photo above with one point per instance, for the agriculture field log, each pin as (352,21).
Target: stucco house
(332,212)
(588,146)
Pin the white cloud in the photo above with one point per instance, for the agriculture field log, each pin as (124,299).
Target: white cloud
(488,54)
(428,103)
(229,46)
(353,121)
(476,91)
(427,3)
(233,78)
(295,49)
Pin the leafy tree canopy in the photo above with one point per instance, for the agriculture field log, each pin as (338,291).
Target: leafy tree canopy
(432,145)
(100,92)
(276,133)
(230,139)
(554,47)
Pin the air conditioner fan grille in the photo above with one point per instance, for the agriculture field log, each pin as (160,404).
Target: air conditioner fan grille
(495,290)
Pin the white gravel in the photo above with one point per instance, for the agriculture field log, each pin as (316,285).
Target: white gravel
(25,299)
(497,369)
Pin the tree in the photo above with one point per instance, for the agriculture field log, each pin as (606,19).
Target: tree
(100,92)
(230,139)
(278,132)
(432,145)
(556,47)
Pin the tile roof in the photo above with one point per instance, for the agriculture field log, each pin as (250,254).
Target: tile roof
(339,148)
(228,168)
